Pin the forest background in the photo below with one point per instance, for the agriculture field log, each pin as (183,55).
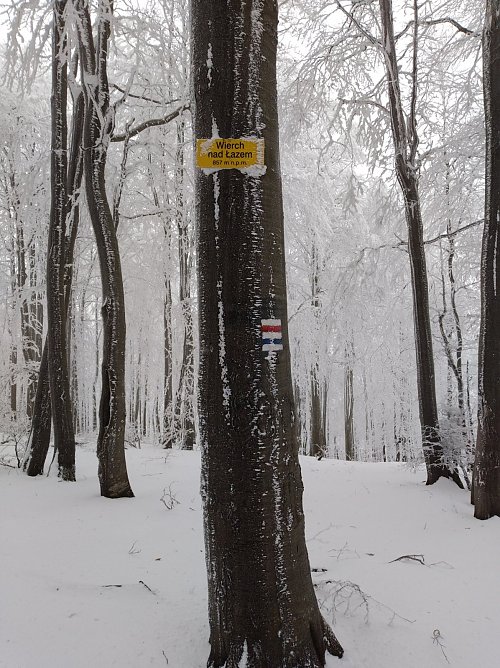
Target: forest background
(350,296)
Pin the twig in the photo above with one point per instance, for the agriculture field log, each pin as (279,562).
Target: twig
(437,640)
(169,499)
(132,550)
(143,583)
(144,97)
(352,597)
(411,557)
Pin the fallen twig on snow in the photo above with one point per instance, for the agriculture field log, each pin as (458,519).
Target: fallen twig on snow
(411,557)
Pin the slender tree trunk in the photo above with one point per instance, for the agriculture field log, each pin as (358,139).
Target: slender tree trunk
(35,330)
(167,426)
(350,453)
(184,413)
(486,479)
(167,430)
(265,616)
(98,127)
(405,138)
(317,435)
(64,437)
(13,345)
(318,441)
(42,413)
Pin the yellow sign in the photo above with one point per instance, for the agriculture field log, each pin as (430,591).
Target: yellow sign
(218,153)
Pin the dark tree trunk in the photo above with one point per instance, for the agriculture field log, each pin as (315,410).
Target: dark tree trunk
(266,615)
(167,422)
(405,138)
(98,127)
(318,436)
(41,422)
(64,437)
(486,480)
(42,413)
(349,405)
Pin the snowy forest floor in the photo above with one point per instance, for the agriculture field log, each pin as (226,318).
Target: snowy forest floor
(89,582)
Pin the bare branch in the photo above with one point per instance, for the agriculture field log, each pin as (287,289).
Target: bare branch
(455,24)
(152,122)
(447,235)
(144,97)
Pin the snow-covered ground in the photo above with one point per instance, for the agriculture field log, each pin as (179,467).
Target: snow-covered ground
(87,582)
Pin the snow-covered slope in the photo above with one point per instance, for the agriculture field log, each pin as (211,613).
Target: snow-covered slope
(87,582)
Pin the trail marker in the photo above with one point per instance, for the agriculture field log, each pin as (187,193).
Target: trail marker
(272,339)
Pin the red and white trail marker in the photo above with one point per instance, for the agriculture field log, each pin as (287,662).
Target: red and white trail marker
(272,339)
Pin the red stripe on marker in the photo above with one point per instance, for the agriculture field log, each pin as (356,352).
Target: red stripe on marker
(271,328)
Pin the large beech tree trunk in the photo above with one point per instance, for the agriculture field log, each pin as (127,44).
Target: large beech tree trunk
(486,479)
(98,127)
(265,615)
(405,139)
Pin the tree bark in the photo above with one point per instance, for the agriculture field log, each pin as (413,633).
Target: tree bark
(184,413)
(98,128)
(486,478)
(265,616)
(405,139)
(42,413)
(64,437)
(350,454)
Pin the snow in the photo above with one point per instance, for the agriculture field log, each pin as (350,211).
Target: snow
(87,581)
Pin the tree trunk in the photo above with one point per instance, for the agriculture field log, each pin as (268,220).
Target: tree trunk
(42,413)
(64,437)
(405,138)
(167,422)
(350,454)
(98,127)
(318,440)
(265,616)
(486,480)
(184,413)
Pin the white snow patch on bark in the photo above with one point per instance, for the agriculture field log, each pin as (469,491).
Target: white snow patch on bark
(210,63)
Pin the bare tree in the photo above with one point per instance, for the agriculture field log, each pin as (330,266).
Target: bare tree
(96,136)
(405,139)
